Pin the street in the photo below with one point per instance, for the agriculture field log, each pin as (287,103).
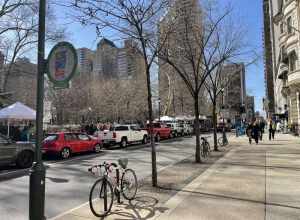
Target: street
(258,182)
(68,182)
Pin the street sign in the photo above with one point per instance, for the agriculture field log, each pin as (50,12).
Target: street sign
(62,64)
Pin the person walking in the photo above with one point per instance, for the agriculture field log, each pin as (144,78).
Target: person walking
(256,131)
(272,128)
(249,132)
(262,126)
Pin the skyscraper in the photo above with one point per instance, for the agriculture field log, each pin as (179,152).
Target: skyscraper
(174,95)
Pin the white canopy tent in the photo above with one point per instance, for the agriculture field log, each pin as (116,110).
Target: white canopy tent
(167,118)
(17,111)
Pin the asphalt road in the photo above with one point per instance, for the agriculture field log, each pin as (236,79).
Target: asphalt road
(68,182)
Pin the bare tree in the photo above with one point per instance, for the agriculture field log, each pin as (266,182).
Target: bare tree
(199,44)
(18,31)
(137,20)
(215,85)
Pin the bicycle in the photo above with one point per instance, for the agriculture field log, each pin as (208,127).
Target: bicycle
(205,147)
(106,186)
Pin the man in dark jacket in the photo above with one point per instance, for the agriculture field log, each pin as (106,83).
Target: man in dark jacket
(262,125)
(256,131)
(249,132)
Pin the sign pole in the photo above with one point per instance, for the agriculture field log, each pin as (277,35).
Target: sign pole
(38,171)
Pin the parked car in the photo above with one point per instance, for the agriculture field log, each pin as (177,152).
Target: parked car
(20,153)
(108,137)
(64,144)
(160,131)
(127,134)
(176,129)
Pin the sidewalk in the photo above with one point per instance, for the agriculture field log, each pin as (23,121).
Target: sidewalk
(250,182)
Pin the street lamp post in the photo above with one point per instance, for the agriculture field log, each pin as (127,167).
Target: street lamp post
(38,171)
(159,109)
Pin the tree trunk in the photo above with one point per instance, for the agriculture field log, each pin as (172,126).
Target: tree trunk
(197,130)
(214,117)
(152,142)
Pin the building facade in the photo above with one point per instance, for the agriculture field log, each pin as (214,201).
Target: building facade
(268,61)
(20,82)
(174,95)
(85,61)
(250,108)
(234,96)
(285,32)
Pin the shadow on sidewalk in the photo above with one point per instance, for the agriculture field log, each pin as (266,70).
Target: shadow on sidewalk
(142,207)
(216,196)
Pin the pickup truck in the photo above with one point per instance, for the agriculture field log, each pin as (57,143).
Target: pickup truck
(124,135)
(176,128)
(160,131)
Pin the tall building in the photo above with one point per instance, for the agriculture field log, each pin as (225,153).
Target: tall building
(117,62)
(174,95)
(106,62)
(268,64)
(85,60)
(234,96)
(250,108)
(21,82)
(285,32)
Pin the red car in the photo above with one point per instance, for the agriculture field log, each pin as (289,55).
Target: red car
(66,143)
(160,131)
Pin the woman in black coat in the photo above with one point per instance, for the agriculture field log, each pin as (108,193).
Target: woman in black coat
(256,131)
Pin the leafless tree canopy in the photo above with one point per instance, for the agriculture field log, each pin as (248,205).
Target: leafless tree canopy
(18,30)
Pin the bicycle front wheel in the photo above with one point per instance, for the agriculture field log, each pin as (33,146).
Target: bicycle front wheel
(129,184)
(101,197)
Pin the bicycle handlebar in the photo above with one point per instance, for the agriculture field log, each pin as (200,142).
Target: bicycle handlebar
(105,165)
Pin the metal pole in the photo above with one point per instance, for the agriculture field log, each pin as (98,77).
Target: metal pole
(38,171)
(159,109)
(224,132)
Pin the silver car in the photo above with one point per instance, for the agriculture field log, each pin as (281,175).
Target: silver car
(20,153)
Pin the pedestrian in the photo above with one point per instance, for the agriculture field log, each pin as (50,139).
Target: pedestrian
(249,132)
(272,128)
(256,131)
(262,128)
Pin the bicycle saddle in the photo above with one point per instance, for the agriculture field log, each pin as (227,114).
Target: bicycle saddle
(123,162)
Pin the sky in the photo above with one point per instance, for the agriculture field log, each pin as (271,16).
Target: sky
(248,12)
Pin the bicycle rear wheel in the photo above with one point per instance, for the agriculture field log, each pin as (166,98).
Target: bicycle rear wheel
(101,197)
(129,184)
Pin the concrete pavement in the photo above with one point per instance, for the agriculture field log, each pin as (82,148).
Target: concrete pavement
(250,182)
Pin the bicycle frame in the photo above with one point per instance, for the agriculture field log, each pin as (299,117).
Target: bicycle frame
(107,174)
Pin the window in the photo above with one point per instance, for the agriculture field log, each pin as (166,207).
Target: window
(70,137)
(83,137)
(121,128)
(293,61)
(51,137)
(134,128)
(281,28)
(289,25)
